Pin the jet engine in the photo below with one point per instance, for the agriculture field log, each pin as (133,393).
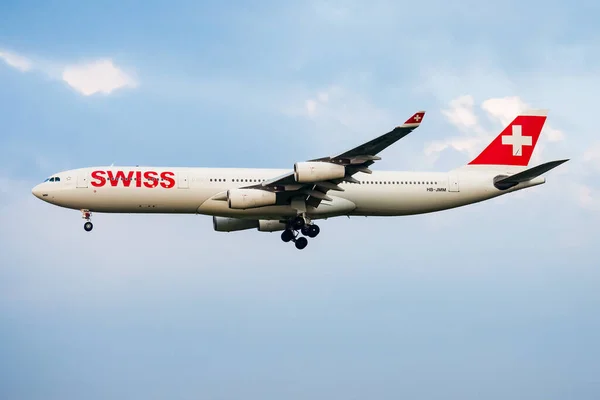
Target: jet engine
(267,225)
(315,171)
(226,224)
(250,198)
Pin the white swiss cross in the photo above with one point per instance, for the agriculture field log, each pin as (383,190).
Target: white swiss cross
(517,140)
(417,117)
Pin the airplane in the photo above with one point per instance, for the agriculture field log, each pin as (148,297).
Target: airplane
(290,201)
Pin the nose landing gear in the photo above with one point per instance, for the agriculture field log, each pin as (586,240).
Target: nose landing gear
(87,215)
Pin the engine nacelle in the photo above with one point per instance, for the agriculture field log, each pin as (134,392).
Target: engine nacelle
(242,199)
(266,225)
(225,224)
(315,171)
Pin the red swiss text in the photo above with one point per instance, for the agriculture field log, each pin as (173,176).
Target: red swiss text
(149,179)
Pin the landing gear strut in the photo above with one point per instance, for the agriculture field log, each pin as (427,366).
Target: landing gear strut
(298,223)
(302,224)
(87,215)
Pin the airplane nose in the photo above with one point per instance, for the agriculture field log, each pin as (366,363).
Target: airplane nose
(37,192)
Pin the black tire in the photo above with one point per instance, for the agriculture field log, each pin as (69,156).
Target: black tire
(305,230)
(301,243)
(88,226)
(313,231)
(287,235)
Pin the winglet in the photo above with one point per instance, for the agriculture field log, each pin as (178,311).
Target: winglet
(416,119)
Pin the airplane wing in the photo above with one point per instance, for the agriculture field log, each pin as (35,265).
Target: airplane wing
(309,182)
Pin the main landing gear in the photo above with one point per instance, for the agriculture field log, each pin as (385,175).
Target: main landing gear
(87,215)
(299,223)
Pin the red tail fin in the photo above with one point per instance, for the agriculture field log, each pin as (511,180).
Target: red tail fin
(515,144)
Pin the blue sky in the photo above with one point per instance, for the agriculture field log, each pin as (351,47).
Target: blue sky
(496,300)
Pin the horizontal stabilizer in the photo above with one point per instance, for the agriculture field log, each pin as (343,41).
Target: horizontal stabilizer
(505,182)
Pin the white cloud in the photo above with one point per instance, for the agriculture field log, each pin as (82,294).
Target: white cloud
(589,198)
(311,107)
(96,77)
(340,105)
(323,97)
(553,135)
(16,61)
(469,145)
(461,112)
(592,155)
(504,109)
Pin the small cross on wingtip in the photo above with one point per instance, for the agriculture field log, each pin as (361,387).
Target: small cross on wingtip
(416,118)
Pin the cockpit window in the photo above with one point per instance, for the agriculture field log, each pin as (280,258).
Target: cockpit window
(57,179)
(52,179)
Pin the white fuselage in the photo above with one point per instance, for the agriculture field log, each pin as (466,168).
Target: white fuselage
(200,190)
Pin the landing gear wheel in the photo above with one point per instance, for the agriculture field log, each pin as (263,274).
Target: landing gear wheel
(305,230)
(88,226)
(287,235)
(301,243)
(313,231)
(298,222)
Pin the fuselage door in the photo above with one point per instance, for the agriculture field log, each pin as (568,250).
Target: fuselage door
(82,179)
(453,182)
